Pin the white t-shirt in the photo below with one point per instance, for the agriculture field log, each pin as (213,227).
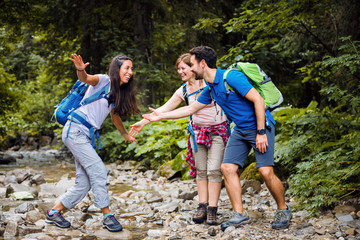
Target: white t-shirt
(209,115)
(97,111)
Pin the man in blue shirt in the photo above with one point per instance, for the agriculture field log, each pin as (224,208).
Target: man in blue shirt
(254,129)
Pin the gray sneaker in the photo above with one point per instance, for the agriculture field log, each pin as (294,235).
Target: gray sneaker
(282,218)
(236,220)
(111,224)
(57,219)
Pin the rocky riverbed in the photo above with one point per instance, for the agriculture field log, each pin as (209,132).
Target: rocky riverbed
(150,207)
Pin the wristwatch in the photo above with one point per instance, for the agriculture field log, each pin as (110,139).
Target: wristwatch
(261,131)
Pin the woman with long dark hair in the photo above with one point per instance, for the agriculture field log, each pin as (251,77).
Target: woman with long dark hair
(90,170)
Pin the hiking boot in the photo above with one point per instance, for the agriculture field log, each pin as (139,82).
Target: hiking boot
(211,215)
(236,220)
(111,224)
(57,219)
(282,218)
(201,213)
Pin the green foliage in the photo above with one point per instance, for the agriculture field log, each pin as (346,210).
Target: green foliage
(320,154)
(159,141)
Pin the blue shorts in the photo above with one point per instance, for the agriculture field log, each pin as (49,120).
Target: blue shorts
(240,144)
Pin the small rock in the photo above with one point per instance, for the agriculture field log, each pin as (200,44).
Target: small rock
(212,231)
(344,218)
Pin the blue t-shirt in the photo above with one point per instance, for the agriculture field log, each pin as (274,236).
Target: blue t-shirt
(236,107)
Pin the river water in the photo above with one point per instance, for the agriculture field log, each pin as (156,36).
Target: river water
(52,171)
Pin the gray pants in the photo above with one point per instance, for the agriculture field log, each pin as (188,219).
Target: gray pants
(90,170)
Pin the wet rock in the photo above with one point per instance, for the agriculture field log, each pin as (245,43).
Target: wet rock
(6,159)
(37,236)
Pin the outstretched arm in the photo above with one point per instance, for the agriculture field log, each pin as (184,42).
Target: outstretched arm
(178,113)
(255,97)
(173,102)
(80,69)
(120,126)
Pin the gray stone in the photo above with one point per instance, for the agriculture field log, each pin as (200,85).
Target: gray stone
(14,187)
(11,229)
(188,195)
(6,159)
(25,207)
(212,231)
(38,179)
(24,230)
(3,192)
(245,184)
(169,207)
(152,197)
(154,233)
(34,215)
(344,218)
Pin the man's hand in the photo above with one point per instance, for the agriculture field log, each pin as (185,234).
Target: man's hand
(261,143)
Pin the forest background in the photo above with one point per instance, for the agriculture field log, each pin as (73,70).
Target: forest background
(309,48)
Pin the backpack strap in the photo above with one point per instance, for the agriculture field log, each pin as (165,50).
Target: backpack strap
(228,88)
(98,95)
(185,94)
(80,118)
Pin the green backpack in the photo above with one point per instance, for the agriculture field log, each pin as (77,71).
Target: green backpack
(260,81)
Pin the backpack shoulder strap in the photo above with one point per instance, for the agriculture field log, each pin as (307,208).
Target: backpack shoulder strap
(228,88)
(99,94)
(185,94)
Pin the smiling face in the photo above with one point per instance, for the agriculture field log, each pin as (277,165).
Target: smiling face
(126,71)
(184,71)
(196,68)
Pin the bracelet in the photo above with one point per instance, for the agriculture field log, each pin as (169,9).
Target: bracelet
(80,70)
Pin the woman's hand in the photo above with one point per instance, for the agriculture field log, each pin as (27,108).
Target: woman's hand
(129,138)
(153,117)
(136,128)
(78,62)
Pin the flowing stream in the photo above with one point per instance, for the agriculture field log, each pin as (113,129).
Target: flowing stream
(52,171)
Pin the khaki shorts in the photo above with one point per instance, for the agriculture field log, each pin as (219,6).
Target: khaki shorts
(208,161)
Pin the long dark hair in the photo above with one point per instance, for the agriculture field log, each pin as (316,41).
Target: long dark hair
(122,96)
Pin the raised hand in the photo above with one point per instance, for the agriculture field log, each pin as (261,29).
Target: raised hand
(78,62)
